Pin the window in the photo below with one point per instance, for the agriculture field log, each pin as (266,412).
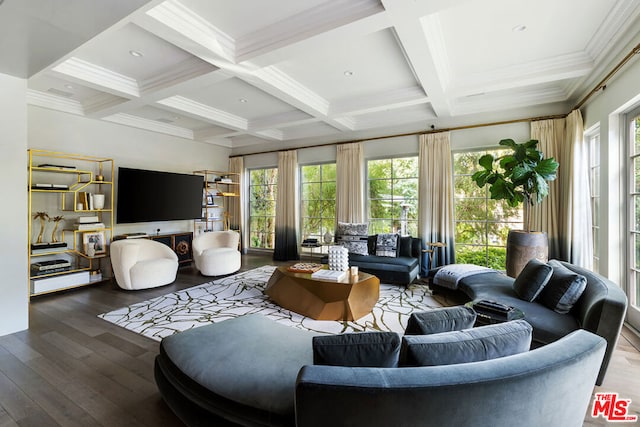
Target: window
(633,224)
(481,224)
(318,210)
(593,141)
(263,189)
(393,195)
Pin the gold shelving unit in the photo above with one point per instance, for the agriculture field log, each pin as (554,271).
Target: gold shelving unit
(65,186)
(219,189)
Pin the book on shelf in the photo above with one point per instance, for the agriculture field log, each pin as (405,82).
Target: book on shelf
(88,226)
(57,167)
(47,186)
(49,265)
(88,219)
(332,275)
(36,273)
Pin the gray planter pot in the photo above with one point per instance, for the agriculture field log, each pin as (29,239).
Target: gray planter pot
(523,246)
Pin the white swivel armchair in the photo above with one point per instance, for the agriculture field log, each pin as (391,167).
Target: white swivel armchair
(143,263)
(216,253)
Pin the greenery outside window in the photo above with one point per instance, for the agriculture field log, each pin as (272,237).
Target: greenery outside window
(393,193)
(481,224)
(318,200)
(263,190)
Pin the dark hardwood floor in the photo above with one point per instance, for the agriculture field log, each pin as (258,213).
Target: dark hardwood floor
(73,369)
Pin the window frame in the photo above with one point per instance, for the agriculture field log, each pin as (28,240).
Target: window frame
(250,206)
(322,218)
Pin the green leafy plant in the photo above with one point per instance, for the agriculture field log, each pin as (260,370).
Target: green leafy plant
(517,177)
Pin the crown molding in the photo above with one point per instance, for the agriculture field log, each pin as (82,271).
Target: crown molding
(389,100)
(100,102)
(177,16)
(100,76)
(186,70)
(151,125)
(304,25)
(200,110)
(54,102)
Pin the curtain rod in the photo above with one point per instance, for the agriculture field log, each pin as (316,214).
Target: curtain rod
(599,86)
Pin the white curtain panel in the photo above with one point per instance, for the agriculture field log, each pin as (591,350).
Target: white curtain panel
(576,244)
(435,187)
(350,183)
(286,239)
(544,216)
(236,165)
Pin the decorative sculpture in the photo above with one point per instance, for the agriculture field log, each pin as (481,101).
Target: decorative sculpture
(338,258)
(56,220)
(42,216)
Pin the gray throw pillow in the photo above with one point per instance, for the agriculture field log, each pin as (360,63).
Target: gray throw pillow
(470,345)
(439,320)
(563,290)
(365,349)
(532,280)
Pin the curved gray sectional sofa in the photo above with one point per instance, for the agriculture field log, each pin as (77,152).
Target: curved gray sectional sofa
(601,308)
(253,371)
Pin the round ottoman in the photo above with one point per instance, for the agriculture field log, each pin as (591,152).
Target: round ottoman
(242,370)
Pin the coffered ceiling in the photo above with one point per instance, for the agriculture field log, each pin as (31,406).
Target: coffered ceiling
(255,74)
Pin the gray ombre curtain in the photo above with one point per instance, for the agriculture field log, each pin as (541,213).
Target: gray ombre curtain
(435,187)
(576,244)
(566,214)
(350,183)
(286,239)
(236,213)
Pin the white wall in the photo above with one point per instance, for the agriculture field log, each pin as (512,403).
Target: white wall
(129,147)
(14,302)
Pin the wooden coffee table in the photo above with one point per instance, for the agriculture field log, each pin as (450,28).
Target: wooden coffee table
(349,299)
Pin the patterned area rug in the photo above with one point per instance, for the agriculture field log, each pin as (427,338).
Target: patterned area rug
(242,293)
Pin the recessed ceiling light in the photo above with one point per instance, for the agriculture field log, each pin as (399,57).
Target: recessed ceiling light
(519,28)
(68,87)
(242,100)
(136,53)
(348,73)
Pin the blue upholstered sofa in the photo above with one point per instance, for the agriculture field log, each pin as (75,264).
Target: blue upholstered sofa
(601,308)
(400,270)
(256,372)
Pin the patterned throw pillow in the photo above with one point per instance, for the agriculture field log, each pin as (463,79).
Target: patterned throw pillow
(387,245)
(353,236)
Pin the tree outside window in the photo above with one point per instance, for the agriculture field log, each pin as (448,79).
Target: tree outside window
(481,224)
(393,187)
(318,200)
(263,190)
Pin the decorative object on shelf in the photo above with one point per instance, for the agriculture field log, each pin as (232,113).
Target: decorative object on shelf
(519,176)
(209,199)
(98,201)
(96,276)
(56,220)
(327,237)
(97,239)
(338,258)
(99,178)
(91,249)
(42,216)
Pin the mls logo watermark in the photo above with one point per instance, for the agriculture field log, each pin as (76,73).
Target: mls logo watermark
(612,408)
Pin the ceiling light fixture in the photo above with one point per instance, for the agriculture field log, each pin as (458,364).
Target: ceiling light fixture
(519,28)
(348,73)
(136,53)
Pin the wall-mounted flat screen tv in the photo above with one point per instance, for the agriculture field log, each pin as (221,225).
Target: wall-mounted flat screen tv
(146,196)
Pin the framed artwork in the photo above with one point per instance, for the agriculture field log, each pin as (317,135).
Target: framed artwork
(209,199)
(97,239)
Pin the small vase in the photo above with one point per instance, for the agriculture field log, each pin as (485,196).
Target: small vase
(328,237)
(98,201)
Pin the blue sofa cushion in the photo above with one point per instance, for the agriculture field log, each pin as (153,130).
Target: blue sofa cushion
(439,320)
(470,345)
(564,288)
(366,349)
(532,279)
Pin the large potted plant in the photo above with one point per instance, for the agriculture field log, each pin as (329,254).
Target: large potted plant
(519,177)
